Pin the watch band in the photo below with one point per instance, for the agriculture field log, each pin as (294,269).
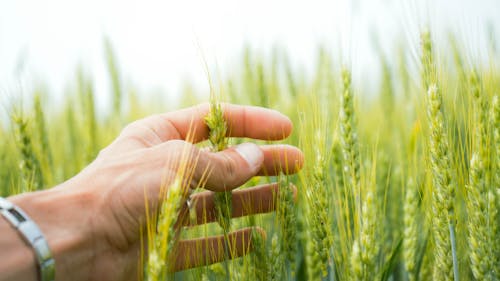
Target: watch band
(33,236)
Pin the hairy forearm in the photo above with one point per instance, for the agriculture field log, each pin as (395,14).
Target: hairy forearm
(62,218)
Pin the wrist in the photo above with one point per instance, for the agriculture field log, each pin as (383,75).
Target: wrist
(19,260)
(62,218)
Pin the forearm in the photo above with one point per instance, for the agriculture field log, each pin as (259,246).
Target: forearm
(60,216)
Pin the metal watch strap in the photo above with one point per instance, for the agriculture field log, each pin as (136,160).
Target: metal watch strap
(33,236)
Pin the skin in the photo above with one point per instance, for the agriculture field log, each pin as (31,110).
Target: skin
(93,222)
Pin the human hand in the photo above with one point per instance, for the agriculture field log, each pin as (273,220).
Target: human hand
(93,222)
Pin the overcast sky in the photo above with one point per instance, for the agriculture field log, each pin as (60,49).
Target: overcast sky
(157,41)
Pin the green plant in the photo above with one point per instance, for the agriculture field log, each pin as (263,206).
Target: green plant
(401,181)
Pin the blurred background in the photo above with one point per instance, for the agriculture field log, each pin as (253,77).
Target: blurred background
(160,45)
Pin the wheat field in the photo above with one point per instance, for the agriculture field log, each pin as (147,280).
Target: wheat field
(399,184)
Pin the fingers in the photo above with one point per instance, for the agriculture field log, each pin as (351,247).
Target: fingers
(189,124)
(204,251)
(248,201)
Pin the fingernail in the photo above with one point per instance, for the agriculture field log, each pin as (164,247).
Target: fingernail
(251,153)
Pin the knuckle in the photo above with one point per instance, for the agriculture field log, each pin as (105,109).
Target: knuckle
(179,146)
(179,151)
(130,127)
(229,169)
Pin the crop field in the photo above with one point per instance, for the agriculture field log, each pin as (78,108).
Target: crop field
(401,183)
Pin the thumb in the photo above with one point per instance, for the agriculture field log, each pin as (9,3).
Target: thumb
(228,169)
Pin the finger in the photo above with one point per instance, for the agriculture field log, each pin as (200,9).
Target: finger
(204,251)
(233,167)
(189,124)
(256,200)
(281,158)
(218,171)
(230,168)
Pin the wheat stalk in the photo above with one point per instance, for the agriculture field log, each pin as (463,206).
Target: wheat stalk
(481,256)
(277,260)
(261,265)
(287,220)
(217,137)
(481,206)
(410,234)
(319,220)
(163,242)
(443,191)
(43,138)
(32,177)
(348,134)
(495,123)
(366,247)
(223,200)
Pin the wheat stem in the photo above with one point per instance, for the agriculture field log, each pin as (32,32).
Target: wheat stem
(443,190)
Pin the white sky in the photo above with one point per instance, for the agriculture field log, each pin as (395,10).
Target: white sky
(157,41)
